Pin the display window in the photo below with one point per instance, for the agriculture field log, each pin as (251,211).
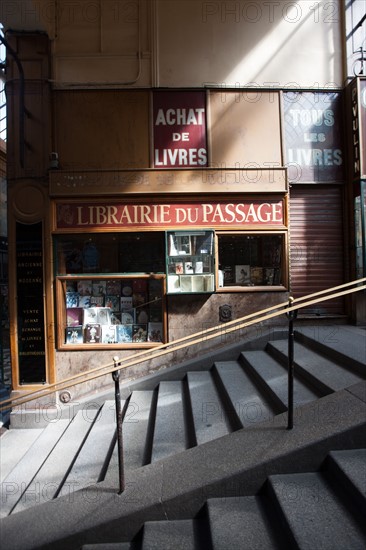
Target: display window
(249,261)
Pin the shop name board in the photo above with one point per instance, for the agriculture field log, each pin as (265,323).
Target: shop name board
(179,121)
(211,214)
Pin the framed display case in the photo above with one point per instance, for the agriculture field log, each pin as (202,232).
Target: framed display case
(120,310)
(190,262)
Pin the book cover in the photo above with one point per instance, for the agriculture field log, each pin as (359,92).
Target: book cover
(90,315)
(85,288)
(269,275)
(84,301)
(126,303)
(139,299)
(115,318)
(109,334)
(256,275)
(139,333)
(113,302)
(99,288)
(179,268)
(74,335)
(242,274)
(155,332)
(74,316)
(96,301)
(104,315)
(72,299)
(92,333)
(126,287)
(188,267)
(139,285)
(198,267)
(113,287)
(128,317)
(142,315)
(124,333)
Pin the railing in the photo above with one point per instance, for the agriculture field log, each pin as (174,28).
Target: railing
(290,308)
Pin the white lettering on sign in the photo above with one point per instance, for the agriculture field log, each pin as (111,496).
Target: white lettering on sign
(215,214)
(315,157)
(181,157)
(180,117)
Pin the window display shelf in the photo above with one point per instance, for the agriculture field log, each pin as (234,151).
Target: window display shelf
(190,262)
(119,310)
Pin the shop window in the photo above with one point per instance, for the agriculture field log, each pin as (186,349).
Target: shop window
(251,260)
(125,307)
(190,262)
(140,252)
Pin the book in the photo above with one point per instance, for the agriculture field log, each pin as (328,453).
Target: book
(155,332)
(139,286)
(128,317)
(256,275)
(142,315)
(85,287)
(198,267)
(124,333)
(109,334)
(126,303)
(99,288)
(188,267)
(74,316)
(113,287)
(96,301)
(139,333)
(72,299)
(113,302)
(179,268)
(84,301)
(242,274)
(126,287)
(74,335)
(90,315)
(92,333)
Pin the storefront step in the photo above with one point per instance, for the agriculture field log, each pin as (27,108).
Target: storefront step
(272,377)
(320,371)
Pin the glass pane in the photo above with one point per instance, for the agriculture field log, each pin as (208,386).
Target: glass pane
(250,260)
(110,253)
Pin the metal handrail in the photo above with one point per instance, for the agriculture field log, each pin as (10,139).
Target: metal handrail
(186,341)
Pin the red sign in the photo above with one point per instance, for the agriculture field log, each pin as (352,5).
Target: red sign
(211,214)
(179,120)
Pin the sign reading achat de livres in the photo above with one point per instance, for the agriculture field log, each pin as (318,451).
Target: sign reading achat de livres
(179,127)
(129,215)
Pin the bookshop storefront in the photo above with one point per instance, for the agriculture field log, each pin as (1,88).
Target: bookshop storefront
(134,272)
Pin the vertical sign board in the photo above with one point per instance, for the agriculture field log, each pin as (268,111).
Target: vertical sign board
(313,137)
(179,129)
(30,312)
(363,126)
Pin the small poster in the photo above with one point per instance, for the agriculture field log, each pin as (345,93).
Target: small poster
(155,332)
(124,333)
(74,335)
(109,334)
(92,333)
(242,274)
(139,333)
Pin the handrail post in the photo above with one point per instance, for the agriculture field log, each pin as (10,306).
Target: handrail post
(291,315)
(117,394)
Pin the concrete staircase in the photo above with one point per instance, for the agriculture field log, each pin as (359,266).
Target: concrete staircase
(195,416)
(317,510)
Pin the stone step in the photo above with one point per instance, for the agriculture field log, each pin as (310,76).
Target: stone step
(313,515)
(273,377)
(209,419)
(320,371)
(13,446)
(17,481)
(246,405)
(160,535)
(49,479)
(348,467)
(241,522)
(170,427)
(90,464)
(343,344)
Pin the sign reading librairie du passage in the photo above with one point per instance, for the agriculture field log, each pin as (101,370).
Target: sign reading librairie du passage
(179,127)
(120,215)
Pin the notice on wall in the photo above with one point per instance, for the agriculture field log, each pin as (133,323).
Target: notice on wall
(179,129)
(30,313)
(313,137)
